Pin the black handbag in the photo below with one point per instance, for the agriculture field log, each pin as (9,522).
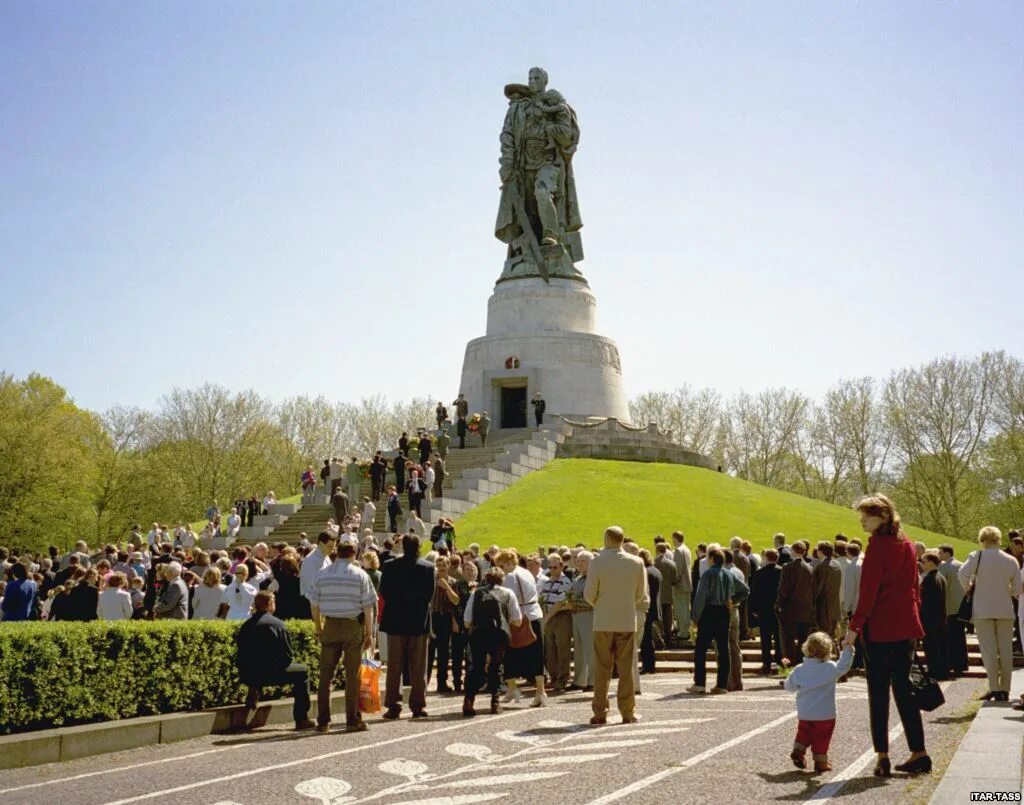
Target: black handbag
(925,691)
(966,612)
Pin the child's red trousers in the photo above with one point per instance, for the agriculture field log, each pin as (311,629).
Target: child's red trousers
(815,734)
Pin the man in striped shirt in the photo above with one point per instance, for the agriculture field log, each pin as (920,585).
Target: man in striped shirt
(557,621)
(342,602)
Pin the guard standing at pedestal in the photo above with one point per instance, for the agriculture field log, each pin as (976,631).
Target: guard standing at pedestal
(539,407)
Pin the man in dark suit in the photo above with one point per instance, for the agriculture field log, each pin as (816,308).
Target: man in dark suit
(933,617)
(426,448)
(828,591)
(265,658)
(398,463)
(340,502)
(377,470)
(407,587)
(764,591)
(785,557)
(795,604)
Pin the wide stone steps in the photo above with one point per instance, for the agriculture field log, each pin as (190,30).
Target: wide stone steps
(473,460)
(680,660)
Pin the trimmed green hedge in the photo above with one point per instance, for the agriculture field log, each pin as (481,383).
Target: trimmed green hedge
(59,674)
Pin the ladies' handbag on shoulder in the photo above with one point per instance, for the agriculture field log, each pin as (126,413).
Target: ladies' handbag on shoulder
(966,612)
(522,635)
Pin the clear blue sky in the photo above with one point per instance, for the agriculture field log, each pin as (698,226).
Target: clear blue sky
(300,197)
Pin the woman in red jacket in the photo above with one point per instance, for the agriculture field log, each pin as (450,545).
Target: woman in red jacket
(888,622)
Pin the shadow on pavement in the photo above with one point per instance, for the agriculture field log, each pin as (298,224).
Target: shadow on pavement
(952,719)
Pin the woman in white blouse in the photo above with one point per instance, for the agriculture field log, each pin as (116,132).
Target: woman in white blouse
(997,581)
(207,598)
(238,597)
(527,661)
(115,602)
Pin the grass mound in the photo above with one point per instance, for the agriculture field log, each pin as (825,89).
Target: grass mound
(573,500)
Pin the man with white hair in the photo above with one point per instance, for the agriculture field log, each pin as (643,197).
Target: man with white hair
(173,601)
(582,626)
(234,524)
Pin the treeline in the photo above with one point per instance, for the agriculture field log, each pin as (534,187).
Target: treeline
(946,439)
(67,473)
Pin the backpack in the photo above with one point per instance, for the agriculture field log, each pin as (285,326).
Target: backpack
(487,611)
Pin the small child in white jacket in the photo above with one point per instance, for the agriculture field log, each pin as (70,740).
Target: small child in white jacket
(814,682)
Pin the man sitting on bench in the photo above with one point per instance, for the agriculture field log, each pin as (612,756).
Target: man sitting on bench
(265,658)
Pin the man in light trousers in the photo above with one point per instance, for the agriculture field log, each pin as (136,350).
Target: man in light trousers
(682,590)
(582,627)
(616,588)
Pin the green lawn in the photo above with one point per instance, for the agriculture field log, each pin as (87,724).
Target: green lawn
(573,500)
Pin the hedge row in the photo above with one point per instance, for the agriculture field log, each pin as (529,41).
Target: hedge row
(64,673)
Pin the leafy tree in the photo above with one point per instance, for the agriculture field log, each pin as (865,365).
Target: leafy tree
(45,463)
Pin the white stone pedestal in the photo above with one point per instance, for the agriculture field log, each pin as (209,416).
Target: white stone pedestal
(542,337)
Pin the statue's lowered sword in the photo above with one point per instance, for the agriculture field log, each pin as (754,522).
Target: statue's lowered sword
(524,224)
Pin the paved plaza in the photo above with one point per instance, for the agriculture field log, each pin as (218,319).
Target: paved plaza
(727,749)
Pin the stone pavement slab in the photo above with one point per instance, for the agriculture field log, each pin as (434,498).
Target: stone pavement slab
(990,757)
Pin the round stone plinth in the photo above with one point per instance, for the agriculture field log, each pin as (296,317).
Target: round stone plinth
(532,305)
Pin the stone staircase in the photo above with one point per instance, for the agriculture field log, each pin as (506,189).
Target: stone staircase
(680,660)
(471,475)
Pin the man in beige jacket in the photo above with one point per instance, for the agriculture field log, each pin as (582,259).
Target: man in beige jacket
(617,589)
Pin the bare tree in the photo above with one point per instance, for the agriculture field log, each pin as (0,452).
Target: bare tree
(317,427)
(940,414)
(225,442)
(759,434)
(376,423)
(692,417)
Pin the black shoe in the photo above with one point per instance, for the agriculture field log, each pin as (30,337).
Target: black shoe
(922,765)
(458,687)
(420,714)
(988,697)
(443,689)
(392,713)
(588,689)
(356,726)
(882,768)
(1002,696)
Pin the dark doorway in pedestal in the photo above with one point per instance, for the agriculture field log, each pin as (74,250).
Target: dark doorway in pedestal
(513,406)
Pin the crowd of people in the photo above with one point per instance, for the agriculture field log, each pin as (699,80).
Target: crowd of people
(566,618)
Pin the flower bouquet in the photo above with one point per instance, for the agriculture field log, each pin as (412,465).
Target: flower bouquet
(473,423)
